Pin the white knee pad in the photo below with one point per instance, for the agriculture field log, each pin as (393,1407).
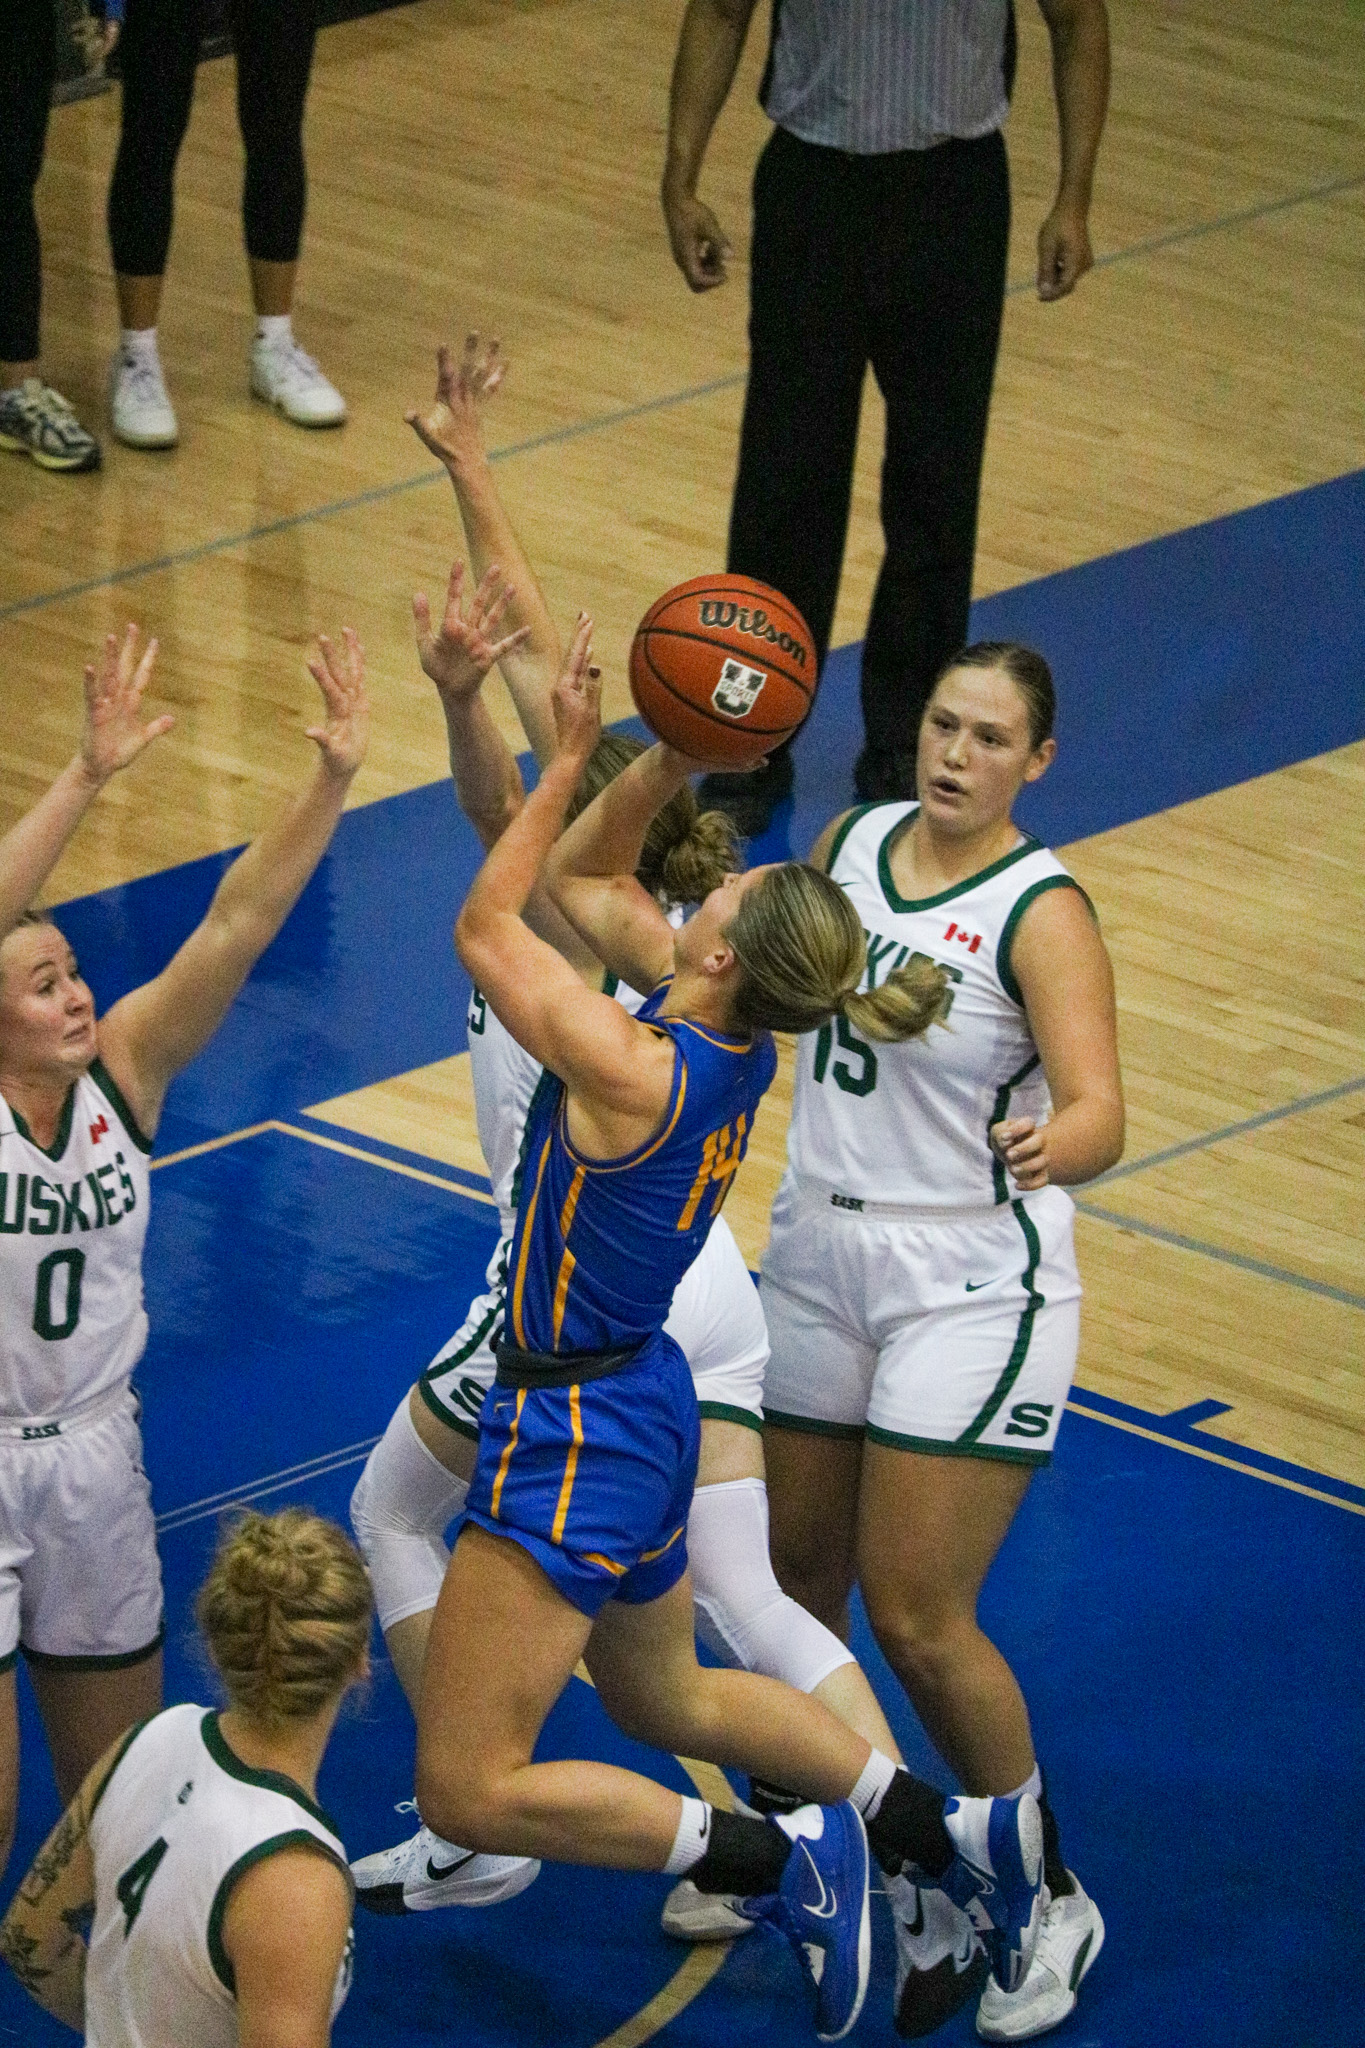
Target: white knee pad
(742,1614)
(404,1501)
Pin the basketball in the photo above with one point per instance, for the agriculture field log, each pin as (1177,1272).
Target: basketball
(723,668)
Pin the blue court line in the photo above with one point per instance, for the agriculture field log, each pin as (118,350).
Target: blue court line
(602,422)
(1182,1430)
(1226,1258)
(1251,1123)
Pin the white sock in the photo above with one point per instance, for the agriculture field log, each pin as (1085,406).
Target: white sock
(274,329)
(878,1775)
(1033,1783)
(138,344)
(692,1839)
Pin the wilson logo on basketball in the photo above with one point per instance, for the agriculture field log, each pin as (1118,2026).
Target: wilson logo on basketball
(756,622)
(737,691)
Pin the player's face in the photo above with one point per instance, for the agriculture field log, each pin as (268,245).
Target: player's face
(975,751)
(47,1014)
(704,933)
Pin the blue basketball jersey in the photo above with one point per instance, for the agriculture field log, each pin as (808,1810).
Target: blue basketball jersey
(600,1244)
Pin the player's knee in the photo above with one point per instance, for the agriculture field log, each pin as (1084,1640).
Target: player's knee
(402,1503)
(919,1637)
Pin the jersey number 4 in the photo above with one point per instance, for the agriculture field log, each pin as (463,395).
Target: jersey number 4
(132,1886)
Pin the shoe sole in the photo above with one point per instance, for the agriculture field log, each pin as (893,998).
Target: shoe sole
(277,405)
(864,1949)
(681,1929)
(389,1899)
(65,465)
(146,441)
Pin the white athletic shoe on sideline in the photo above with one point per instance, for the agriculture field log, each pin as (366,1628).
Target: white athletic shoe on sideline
(690,1915)
(139,404)
(1069,1939)
(285,377)
(424,1873)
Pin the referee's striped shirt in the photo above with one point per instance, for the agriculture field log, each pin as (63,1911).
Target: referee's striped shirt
(870,76)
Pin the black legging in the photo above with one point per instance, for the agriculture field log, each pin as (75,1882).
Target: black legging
(273,40)
(28,67)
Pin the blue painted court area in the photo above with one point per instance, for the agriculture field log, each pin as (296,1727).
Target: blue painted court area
(1188,1635)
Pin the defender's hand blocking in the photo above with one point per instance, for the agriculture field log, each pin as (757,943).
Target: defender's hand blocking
(451,426)
(113,734)
(340,675)
(459,656)
(577,700)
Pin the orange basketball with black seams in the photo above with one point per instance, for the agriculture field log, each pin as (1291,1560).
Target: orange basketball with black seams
(723,668)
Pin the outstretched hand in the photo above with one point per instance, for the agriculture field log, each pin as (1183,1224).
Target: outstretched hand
(340,675)
(113,733)
(451,426)
(577,698)
(459,656)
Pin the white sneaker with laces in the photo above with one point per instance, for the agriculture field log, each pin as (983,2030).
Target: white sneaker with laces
(1069,1939)
(285,377)
(690,1915)
(139,403)
(424,1873)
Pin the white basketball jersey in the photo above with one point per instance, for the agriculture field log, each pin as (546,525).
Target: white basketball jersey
(907,1123)
(504,1076)
(72,1225)
(179,1820)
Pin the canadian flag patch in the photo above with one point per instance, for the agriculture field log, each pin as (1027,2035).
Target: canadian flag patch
(971,940)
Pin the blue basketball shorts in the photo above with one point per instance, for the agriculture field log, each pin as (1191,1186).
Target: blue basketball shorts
(595,1481)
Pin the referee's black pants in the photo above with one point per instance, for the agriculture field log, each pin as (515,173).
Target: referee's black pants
(898,261)
(28,67)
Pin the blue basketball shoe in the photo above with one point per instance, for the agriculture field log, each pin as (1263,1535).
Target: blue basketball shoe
(822,1909)
(997,1877)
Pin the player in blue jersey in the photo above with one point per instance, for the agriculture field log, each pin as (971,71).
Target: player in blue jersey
(573,1544)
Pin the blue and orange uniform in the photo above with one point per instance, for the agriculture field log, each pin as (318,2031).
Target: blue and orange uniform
(588,1438)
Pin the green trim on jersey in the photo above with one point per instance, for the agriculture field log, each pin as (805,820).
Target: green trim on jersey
(444,1416)
(998,1109)
(425,1385)
(610,983)
(107,1085)
(906,904)
(8,1663)
(811,1425)
(117,1660)
(295,1838)
(269,1781)
(1002,952)
(59,1143)
(993,1403)
(721,1411)
(129,1739)
(937,1447)
(855,817)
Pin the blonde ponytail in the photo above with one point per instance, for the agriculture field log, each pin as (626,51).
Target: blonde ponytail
(801,950)
(285,1612)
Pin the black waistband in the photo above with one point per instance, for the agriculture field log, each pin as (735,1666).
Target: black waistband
(518,1368)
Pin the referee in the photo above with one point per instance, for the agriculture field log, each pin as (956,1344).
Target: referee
(880,235)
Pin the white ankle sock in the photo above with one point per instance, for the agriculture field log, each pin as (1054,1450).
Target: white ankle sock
(692,1839)
(878,1775)
(139,344)
(1033,1783)
(274,329)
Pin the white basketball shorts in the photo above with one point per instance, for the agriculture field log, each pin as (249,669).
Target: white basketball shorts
(80,1580)
(716,1320)
(954,1334)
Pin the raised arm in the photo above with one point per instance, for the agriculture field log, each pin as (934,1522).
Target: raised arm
(452,428)
(709,46)
(1079,30)
(112,736)
(1062,969)
(609,1062)
(590,874)
(157,1029)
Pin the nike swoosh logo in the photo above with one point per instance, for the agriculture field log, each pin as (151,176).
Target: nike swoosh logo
(436,1874)
(827,1905)
(975,1286)
(916,1926)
